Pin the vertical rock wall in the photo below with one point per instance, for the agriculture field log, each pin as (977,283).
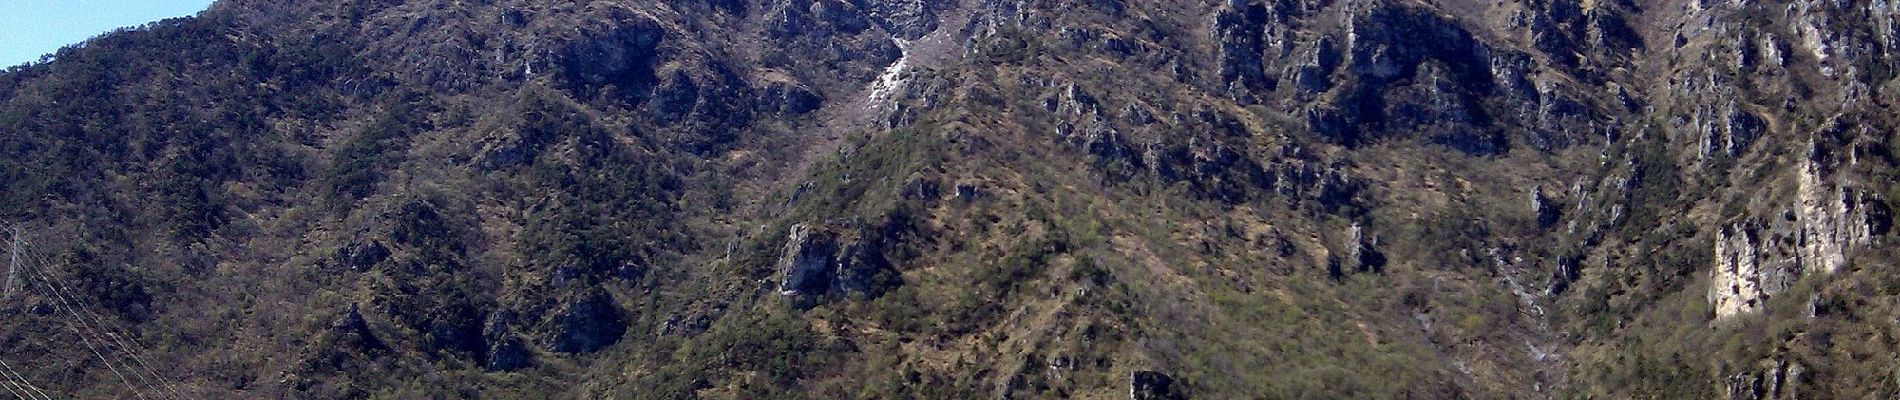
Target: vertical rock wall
(1828,222)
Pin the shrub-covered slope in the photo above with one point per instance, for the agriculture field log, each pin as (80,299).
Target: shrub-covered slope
(961,199)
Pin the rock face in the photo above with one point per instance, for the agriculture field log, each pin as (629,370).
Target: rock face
(1361,255)
(590,321)
(457,328)
(1777,380)
(1546,210)
(505,352)
(1201,165)
(624,58)
(353,332)
(789,98)
(908,19)
(363,255)
(1757,259)
(820,262)
(1239,27)
(806,266)
(1151,385)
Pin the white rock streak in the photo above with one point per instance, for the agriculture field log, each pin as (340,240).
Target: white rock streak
(1757,259)
(893,75)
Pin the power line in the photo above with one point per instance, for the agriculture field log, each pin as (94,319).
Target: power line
(19,379)
(86,339)
(95,330)
(107,330)
(13,265)
(16,394)
(84,330)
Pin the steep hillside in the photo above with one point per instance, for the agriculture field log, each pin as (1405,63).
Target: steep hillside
(960,199)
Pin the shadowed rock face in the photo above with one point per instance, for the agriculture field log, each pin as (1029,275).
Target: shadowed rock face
(907,19)
(353,332)
(1413,73)
(809,262)
(1393,71)
(589,322)
(459,330)
(1151,385)
(505,351)
(624,58)
(362,256)
(819,262)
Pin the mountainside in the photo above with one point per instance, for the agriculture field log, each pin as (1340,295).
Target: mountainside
(961,199)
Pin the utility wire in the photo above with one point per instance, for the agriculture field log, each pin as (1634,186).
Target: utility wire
(84,330)
(107,330)
(16,393)
(21,380)
(13,265)
(97,329)
(87,339)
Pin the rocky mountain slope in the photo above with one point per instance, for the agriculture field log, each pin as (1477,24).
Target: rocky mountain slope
(961,199)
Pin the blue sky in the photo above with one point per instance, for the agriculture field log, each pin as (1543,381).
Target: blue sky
(30,28)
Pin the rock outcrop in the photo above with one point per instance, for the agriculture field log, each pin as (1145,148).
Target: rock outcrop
(352,332)
(1361,255)
(1151,385)
(588,322)
(1828,221)
(1777,380)
(908,19)
(624,58)
(360,256)
(506,351)
(807,264)
(1544,209)
(833,260)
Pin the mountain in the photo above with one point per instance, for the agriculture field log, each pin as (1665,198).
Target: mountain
(960,199)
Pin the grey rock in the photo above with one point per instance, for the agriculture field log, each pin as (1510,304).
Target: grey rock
(819,263)
(360,256)
(790,98)
(353,332)
(806,265)
(908,19)
(590,321)
(1151,385)
(1545,209)
(506,351)
(624,57)
(1777,380)
(675,97)
(1237,29)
